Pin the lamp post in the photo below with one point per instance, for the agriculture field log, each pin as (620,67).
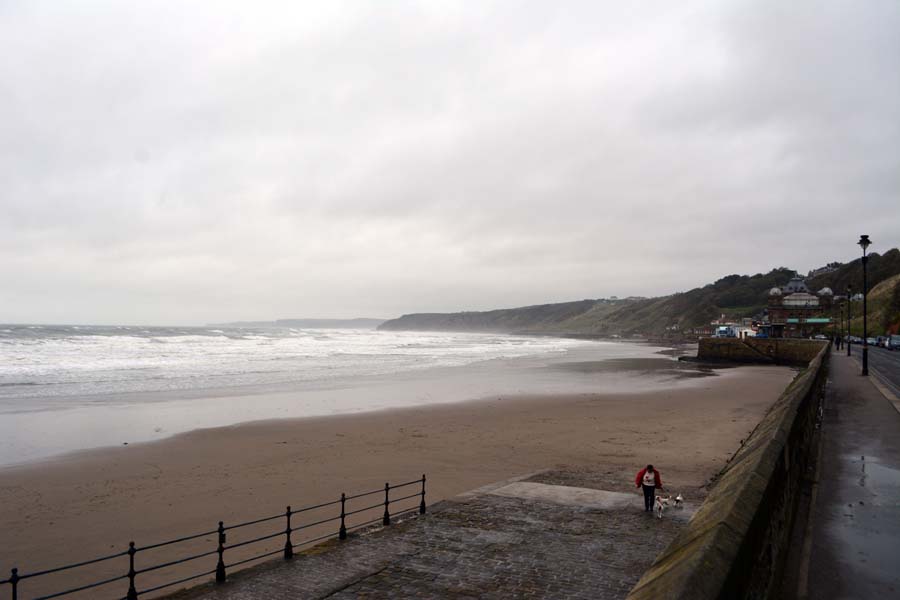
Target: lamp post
(841,327)
(864,243)
(835,334)
(849,300)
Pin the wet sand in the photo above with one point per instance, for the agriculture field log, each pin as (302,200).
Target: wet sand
(38,429)
(93,502)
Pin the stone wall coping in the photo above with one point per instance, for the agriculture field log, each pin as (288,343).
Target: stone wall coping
(698,562)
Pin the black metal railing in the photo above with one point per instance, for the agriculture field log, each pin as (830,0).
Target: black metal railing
(17,582)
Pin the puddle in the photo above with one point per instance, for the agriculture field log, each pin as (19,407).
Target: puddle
(878,478)
(865,520)
(656,366)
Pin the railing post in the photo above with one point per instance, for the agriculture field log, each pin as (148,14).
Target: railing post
(288,547)
(220,566)
(14,580)
(387,515)
(342,534)
(422,503)
(132,591)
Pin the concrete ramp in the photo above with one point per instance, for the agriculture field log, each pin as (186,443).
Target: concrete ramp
(569,496)
(526,537)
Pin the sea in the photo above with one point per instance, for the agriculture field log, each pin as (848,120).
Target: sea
(46,363)
(67,388)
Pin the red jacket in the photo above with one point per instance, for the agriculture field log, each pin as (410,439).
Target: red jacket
(638,481)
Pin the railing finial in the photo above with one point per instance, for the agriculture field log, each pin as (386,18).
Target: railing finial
(14,580)
(220,566)
(422,503)
(386,520)
(132,591)
(288,546)
(342,533)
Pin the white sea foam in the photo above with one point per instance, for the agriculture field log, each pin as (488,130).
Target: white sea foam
(63,389)
(59,362)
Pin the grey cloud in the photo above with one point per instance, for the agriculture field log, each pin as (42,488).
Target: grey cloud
(212,161)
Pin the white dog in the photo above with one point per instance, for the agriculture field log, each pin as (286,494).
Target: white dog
(661,504)
(679,501)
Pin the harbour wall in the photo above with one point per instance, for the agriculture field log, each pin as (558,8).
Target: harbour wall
(735,545)
(777,351)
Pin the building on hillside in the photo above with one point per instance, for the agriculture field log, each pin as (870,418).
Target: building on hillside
(796,312)
(829,268)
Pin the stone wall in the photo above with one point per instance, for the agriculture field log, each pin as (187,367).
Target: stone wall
(734,546)
(759,350)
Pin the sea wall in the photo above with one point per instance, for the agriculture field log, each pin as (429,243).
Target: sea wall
(759,350)
(735,545)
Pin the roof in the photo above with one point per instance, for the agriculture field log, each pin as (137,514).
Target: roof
(796,284)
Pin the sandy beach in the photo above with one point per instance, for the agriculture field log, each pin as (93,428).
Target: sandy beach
(93,502)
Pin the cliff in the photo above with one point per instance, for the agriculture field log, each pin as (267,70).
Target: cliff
(735,296)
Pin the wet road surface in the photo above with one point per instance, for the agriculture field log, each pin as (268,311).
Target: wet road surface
(855,551)
(886,364)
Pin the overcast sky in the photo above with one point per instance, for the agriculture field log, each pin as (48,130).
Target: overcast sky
(188,162)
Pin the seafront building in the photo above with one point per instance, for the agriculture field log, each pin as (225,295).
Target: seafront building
(794,311)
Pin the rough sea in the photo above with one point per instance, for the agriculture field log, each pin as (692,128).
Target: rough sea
(70,388)
(48,362)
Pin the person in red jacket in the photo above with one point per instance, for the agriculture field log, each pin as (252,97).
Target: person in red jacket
(649,479)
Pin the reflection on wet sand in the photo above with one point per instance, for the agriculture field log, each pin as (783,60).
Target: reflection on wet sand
(662,367)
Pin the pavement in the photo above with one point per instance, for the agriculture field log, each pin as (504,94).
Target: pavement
(853,532)
(556,534)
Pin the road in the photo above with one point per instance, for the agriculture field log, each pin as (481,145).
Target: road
(886,365)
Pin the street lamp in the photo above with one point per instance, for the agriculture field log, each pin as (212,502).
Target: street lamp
(841,326)
(835,332)
(849,299)
(864,243)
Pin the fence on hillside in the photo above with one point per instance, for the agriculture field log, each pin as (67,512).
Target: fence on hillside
(18,583)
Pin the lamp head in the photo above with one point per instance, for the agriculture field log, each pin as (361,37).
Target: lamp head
(864,242)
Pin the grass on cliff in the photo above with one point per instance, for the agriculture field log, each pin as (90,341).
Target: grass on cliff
(735,296)
(884,309)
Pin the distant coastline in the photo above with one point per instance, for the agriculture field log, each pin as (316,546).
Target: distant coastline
(358,323)
(675,317)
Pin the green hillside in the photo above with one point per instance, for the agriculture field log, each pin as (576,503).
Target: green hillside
(881,267)
(884,309)
(735,296)
(515,319)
